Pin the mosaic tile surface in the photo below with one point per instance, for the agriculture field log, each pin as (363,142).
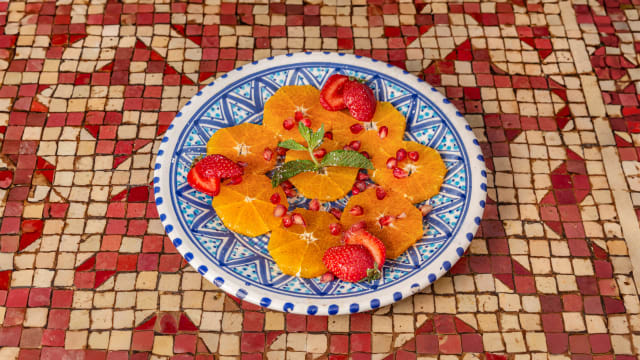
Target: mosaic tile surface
(550,88)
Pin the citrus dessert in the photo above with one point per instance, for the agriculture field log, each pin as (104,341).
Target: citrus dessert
(298,249)
(293,104)
(246,143)
(388,216)
(414,170)
(387,125)
(328,184)
(247,207)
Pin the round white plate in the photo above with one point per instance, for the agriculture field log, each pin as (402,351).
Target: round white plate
(240,265)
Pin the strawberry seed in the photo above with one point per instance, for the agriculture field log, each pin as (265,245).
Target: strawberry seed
(275,198)
(413,155)
(356,210)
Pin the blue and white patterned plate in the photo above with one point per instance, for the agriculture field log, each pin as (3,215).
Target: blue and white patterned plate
(240,265)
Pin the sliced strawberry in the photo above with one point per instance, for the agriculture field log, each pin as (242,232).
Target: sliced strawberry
(351,263)
(331,94)
(360,100)
(362,237)
(218,166)
(210,186)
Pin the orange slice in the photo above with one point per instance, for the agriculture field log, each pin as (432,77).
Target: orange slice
(245,143)
(385,116)
(404,229)
(284,104)
(425,176)
(298,250)
(331,184)
(246,208)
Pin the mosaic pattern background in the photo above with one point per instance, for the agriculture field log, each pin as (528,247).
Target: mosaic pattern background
(550,89)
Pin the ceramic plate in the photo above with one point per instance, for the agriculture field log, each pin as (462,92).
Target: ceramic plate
(240,265)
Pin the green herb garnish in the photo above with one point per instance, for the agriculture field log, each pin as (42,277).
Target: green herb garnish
(344,158)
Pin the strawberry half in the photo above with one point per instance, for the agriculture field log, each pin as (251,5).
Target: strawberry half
(210,186)
(352,263)
(205,174)
(331,94)
(359,236)
(360,100)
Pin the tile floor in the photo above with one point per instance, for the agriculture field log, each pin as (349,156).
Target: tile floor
(551,89)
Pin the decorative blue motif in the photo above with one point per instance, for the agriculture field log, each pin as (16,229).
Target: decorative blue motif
(246,260)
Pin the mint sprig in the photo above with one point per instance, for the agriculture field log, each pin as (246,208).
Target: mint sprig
(344,158)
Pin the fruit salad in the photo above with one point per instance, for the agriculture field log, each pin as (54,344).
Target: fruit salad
(323,144)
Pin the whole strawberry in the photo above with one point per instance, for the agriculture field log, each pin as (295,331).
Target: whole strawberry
(205,174)
(360,100)
(351,263)
(331,94)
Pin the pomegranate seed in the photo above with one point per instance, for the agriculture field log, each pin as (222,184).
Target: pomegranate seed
(267,154)
(355,191)
(362,176)
(281,151)
(298,115)
(355,145)
(392,163)
(286,221)
(327,277)
(399,173)
(306,122)
(275,198)
(279,210)
(401,154)
(380,193)
(413,155)
(360,185)
(335,228)
(383,132)
(286,184)
(288,124)
(314,205)
(385,220)
(356,210)
(425,209)
(298,219)
(401,216)
(320,153)
(347,147)
(235,180)
(365,154)
(336,213)
(328,135)
(359,225)
(242,163)
(290,192)
(356,128)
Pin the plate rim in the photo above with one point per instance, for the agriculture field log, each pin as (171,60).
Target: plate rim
(349,304)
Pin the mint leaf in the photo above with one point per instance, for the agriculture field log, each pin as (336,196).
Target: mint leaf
(291,169)
(346,158)
(292,145)
(316,138)
(305,132)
